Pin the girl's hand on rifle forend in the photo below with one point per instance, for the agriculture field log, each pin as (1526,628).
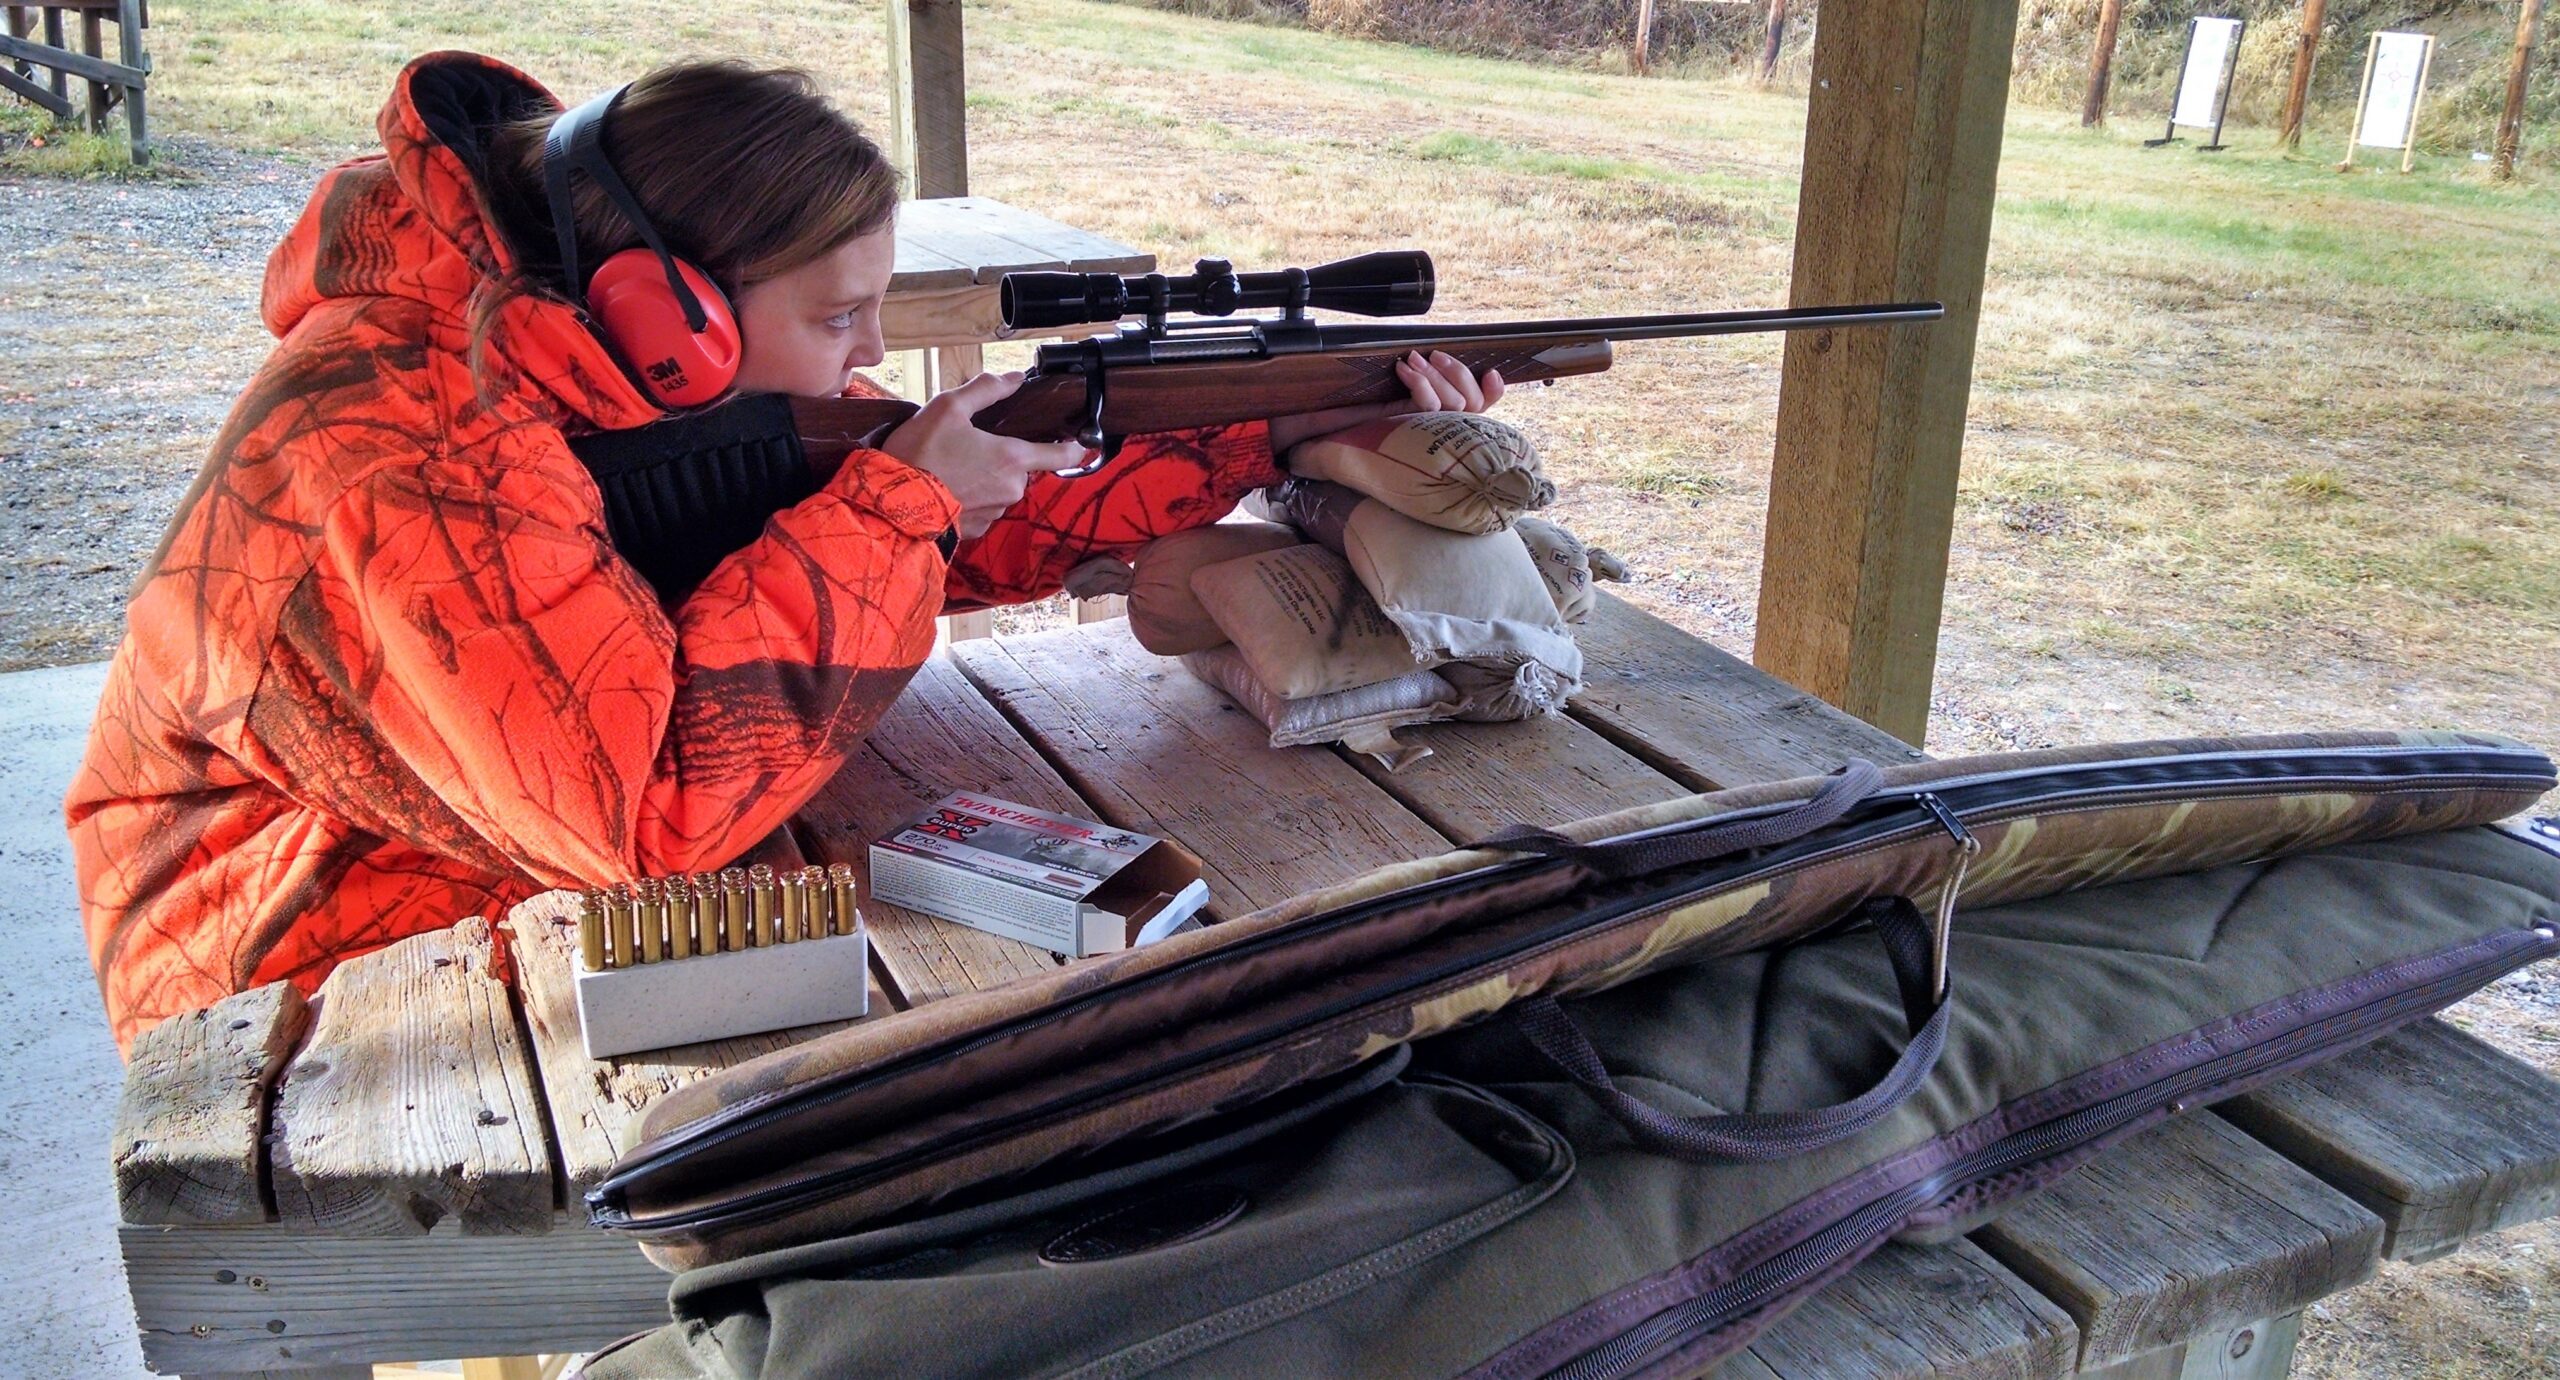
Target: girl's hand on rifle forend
(1437,383)
(986,472)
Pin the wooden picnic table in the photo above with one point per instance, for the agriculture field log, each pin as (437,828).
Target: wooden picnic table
(394,1170)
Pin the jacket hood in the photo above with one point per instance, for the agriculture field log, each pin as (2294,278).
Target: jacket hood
(415,221)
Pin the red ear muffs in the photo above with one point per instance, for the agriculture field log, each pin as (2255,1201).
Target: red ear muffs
(644,321)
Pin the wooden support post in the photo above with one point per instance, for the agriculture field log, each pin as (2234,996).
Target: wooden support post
(1773,35)
(2511,124)
(129,52)
(1644,35)
(1902,148)
(928,93)
(2306,50)
(929,141)
(2102,64)
(93,43)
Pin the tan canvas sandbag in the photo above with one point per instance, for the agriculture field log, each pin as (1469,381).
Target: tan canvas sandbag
(1568,566)
(1303,622)
(1457,596)
(1164,614)
(1492,692)
(1458,470)
(1363,718)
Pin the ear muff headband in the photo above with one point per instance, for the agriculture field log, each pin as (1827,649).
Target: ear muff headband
(576,144)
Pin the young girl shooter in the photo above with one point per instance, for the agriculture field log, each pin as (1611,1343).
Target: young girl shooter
(388,668)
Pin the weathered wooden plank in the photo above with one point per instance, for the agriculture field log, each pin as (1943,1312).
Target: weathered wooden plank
(58,106)
(2432,1130)
(229,1299)
(1901,151)
(920,265)
(2259,1349)
(989,254)
(1706,719)
(2189,1227)
(191,1125)
(595,1105)
(944,316)
(941,736)
(87,67)
(1482,778)
(1911,1311)
(1157,751)
(1037,237)
(413,1100)
(928,97)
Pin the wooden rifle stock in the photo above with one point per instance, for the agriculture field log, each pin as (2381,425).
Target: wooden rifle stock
(1178,397)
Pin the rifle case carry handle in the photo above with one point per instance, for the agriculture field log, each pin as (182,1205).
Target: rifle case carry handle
(1908,943)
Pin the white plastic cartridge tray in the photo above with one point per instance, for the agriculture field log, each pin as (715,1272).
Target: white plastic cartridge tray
(679,1001)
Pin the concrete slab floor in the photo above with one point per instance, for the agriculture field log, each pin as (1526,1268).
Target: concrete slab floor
(63,1303)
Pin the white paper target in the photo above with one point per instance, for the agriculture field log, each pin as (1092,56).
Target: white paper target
(2200,86)
(2391,102)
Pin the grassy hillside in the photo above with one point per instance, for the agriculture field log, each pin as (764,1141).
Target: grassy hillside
(2466,90)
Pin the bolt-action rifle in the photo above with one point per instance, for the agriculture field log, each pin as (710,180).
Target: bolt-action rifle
(1163,374)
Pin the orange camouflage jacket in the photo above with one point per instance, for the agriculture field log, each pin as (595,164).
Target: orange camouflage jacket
(387,671)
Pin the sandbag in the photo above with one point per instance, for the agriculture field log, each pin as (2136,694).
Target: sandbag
(886,1117)
(1164,614)
(1304,624)
(1456,596)
(1363,719)
(1490,692)
(1461,471)
(1568,566)
(1621,1183)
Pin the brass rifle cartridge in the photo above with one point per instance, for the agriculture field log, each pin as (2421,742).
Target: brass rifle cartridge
(733,909)
(795,905)
(679,893)
(706,912)
(841,881)
(617,926)
(764,902)
(819,919)
(649,912)
(591,931)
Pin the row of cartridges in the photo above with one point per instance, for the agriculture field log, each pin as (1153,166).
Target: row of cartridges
(655,919)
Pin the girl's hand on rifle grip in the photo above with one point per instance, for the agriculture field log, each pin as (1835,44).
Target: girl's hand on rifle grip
(986,472)
(1441,384)
(1437,383)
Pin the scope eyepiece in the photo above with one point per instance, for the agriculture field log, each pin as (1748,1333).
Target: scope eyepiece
(1392,282)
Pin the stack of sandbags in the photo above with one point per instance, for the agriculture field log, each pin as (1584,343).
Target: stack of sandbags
(1398,580)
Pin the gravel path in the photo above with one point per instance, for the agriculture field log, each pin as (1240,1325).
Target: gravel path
(130,309)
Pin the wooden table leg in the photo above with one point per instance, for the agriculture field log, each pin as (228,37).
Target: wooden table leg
(129,52)
(93,42)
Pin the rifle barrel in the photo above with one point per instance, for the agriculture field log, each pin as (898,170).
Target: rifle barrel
(1636,327)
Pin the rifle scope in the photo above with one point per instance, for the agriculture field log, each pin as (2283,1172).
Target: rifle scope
(1392,282)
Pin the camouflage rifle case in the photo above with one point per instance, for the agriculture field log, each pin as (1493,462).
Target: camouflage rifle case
(1195,1040)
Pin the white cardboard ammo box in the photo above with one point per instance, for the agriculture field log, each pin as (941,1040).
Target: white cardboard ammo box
(1068,885)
